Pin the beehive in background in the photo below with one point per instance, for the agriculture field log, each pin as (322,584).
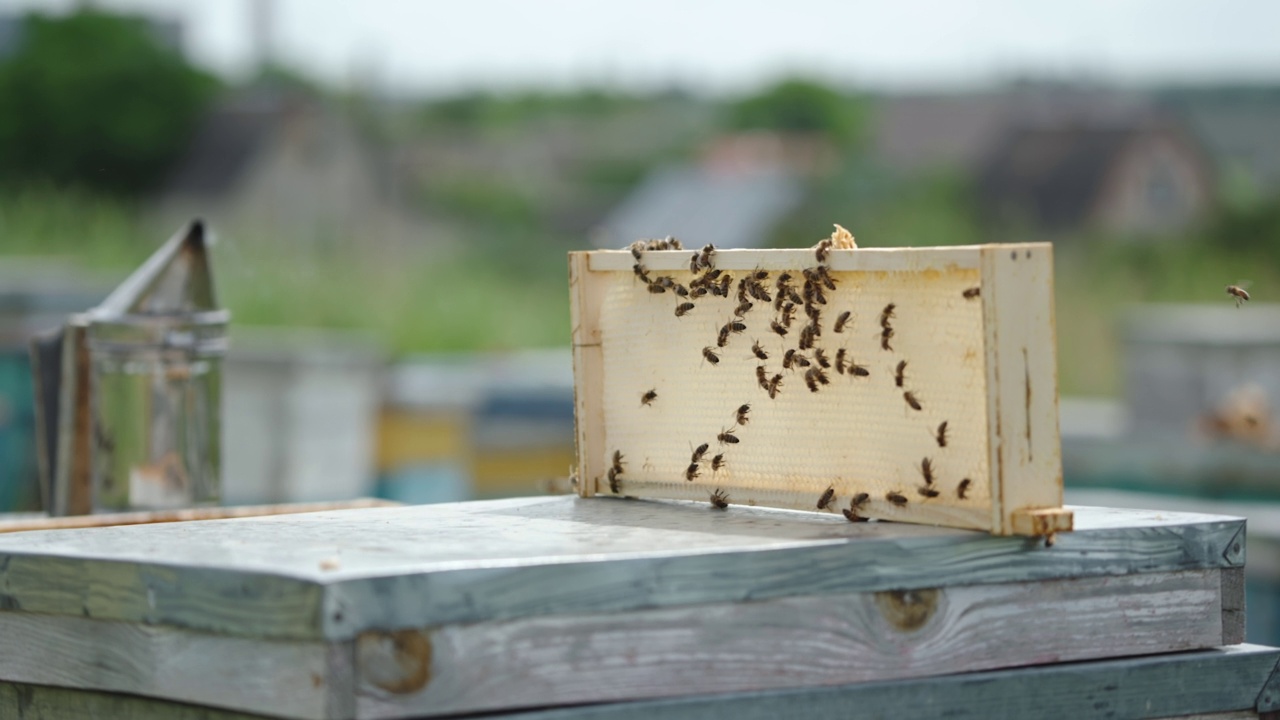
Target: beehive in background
(961,336)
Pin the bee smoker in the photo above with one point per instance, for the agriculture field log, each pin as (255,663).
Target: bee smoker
(129,393)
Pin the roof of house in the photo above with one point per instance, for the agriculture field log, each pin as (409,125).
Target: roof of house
(701,204)
(227,140)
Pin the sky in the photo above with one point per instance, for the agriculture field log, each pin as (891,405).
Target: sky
(717,46)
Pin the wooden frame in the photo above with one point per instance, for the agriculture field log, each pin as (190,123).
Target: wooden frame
(974,323)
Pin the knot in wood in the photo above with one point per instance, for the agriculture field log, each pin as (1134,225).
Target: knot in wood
(908,610)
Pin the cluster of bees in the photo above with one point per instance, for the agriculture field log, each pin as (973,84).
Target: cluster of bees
(798,311)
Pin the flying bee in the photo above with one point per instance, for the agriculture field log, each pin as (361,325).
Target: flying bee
(778,328)
(1240,294)
(649,397)
(743,308)
(710,355)
(719,499)
(840,355)
(717,462)
(927,492)
(926,471)
(972,293)
(691,473)
(896,498)
(723,338)
(886,314)
(742,413)
(900,374)
(683,308)
(941,435)
(826,498)
(911,399)
(775,385)
(699,451)
(821,356)
(759,351)
(727,437)
(963,488)
(841,320)
(615,482)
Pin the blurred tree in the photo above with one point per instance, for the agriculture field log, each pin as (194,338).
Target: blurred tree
(800,106)
(1252,227)
(93,99)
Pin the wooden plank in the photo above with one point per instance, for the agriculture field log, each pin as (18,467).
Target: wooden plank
(336,574)
(309,680)
(1022,387)
(588,373)
(27,523)
(1212,681)
(924,433)
(39,702)
(802,641)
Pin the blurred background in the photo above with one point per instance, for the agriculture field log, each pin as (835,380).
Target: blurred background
(394,186)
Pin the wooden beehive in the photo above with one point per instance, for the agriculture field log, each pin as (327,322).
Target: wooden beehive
(973,324)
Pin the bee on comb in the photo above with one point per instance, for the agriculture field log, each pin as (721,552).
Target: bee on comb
(912,400)
(727,437)
(963,488)
(941,435)
(683,309)
(900,374)
(821,356)
(710,355)
(742,413)
(699,452)
(717,462)
(826,498)
(898,499)
(841,320)
(692,473)
(649,397)
(758,351)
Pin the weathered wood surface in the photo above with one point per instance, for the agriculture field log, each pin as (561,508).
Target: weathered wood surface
(334,575)
(36,521)
(1224,680)
(968,346)
(1230,682)
(785,643)
(290,678)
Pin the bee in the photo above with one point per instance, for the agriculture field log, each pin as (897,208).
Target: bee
(813,312)
(886,314)
(806,337)
(794,296)
(674,243)
(719,499)
(789,359)
(840,356)
(783,279)
(723,338)
(963,488)
(821,356)
(710,355)
(656,289)
(852,515)
(615,482)
(900,375)
(926,471)
(778,328)
(814,377)
(826,498)
(617,460)
(941,435)
(972,293)
(1239,293)
(735,326)
(758,292)
(788,314)
(927,492)
(695,263)
(743,308)
(649,397)
(680,290)
(762,377)
(698,292)
(666,282)
(725,281)
(822,251)
(759,351)
(885,334)
(637,248)
(699,451)
(683,308)
(775,385)
(717,462)
(857,370)
(760,275)
(859,501)
(824,276)
(841,320)
(710,275)
(692,473)
(896,498)
(911,399)
(707,251)
(727,437)
(779,300)
(640,272)
(742,413)
(742,289)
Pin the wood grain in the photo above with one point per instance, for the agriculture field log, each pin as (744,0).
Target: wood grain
(1225,680)
(958,257)
(588,373)
(802,642)
(421,566)
(27,523)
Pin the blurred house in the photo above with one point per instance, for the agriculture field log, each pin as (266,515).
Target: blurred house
(734,196)
(1244,139)
(1136,175)
(283,164)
